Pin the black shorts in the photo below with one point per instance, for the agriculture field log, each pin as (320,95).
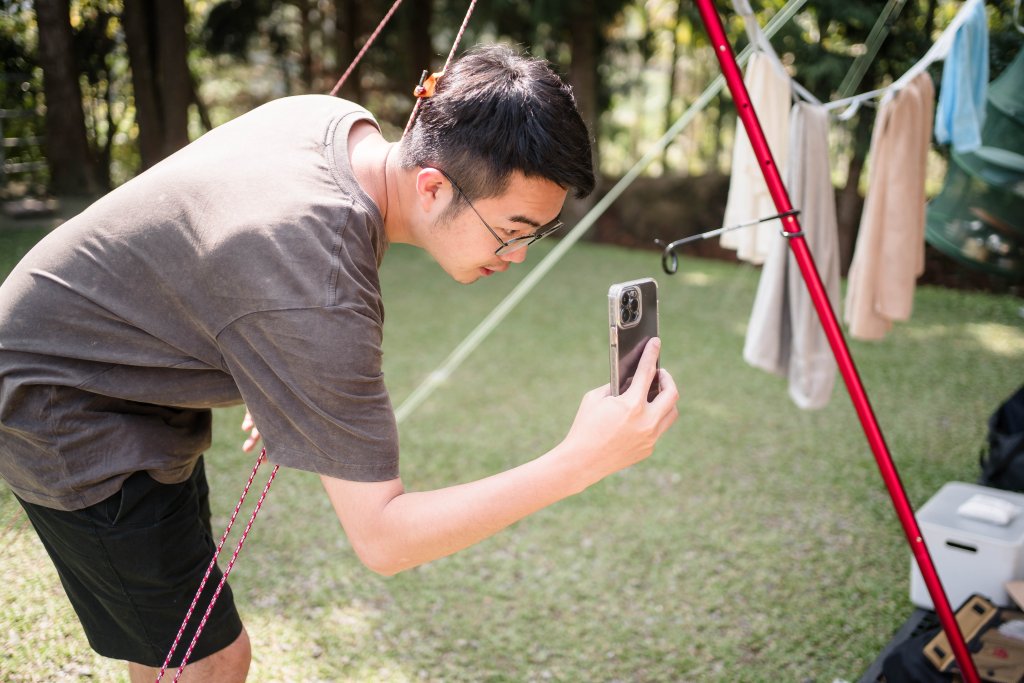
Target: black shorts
(131,565)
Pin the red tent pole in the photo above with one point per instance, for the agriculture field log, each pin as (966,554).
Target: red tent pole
(734,79)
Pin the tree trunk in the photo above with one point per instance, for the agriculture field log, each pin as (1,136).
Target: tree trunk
(73,169)
(173,76)
(671,95)
(583,78)
(421,52)
(305,46)
(583,71)
(147,108)
(155,36)
(849,202)
(348,22)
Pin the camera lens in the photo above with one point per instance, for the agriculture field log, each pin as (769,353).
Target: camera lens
(629,307)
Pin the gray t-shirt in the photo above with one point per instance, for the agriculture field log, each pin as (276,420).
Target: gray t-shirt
(241,268)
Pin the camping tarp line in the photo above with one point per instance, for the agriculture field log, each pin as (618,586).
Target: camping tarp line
(874,41)
(495,317)
(936,53)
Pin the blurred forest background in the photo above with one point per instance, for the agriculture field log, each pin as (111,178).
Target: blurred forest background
(95,91)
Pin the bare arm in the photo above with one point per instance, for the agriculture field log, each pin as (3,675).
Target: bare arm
(392,530)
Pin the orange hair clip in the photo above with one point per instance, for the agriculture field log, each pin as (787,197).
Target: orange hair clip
(427,84)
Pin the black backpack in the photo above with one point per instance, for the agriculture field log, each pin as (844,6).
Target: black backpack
(1002,467)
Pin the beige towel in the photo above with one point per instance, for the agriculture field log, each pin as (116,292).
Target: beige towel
(785,335)
(771,94)
(889,256)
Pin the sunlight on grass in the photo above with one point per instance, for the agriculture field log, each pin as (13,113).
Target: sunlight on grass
(356,621)
(1003,340)
(696,278)
(929,332)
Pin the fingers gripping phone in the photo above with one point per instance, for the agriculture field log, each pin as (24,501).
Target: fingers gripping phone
(632,322)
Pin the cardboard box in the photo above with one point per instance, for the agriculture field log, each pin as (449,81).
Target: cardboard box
(971,554)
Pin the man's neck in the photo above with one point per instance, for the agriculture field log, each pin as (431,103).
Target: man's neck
(367,152)
(378,170)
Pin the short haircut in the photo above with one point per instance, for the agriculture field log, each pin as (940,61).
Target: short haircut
(495,112)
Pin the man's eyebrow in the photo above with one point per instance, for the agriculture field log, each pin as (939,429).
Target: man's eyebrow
(523,219)
(529,221)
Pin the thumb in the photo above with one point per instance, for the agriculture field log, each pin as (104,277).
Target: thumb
(646,369)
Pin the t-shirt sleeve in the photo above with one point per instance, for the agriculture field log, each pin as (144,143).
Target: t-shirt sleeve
(312,380)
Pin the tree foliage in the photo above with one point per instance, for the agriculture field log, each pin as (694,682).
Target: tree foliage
(635,64)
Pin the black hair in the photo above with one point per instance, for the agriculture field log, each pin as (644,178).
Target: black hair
(495,112)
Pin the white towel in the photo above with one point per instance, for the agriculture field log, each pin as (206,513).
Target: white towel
(785,335)
(771,95)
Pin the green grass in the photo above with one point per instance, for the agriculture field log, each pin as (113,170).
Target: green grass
(757,543)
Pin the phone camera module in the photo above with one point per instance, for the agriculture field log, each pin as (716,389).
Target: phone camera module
(629,307)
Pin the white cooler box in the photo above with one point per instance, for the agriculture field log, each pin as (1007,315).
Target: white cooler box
(975,536)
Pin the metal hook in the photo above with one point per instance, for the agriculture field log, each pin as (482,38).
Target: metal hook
(668,252)
(670,260)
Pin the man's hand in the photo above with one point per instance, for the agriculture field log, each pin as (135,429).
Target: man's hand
(254,434)
(611,433)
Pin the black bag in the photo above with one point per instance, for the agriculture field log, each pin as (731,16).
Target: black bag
(1003,466)
(906,662)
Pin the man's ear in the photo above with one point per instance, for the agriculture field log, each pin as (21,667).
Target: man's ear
(430,189)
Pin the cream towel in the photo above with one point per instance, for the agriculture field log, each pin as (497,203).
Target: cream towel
(771,94)
(785,335)
(889,256)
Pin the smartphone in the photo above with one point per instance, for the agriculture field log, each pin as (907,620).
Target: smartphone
(632,322)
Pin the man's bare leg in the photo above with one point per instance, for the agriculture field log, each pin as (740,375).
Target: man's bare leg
(230,665)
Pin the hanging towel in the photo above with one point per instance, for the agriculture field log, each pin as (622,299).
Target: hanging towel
(889,255)
(961,109)
(785,335)
(771,95)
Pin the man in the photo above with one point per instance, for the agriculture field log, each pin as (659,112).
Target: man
(244,268)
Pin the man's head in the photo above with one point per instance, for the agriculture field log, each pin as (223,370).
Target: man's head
(496,112)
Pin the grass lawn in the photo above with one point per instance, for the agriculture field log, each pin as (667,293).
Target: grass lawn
(757,544)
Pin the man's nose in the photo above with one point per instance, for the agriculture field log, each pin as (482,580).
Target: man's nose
(517,256)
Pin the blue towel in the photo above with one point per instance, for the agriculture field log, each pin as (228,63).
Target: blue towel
(961,107)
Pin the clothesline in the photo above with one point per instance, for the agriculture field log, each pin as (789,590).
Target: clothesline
(761,43)
(850,105)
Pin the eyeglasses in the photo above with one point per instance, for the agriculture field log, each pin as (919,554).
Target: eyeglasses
(516,243)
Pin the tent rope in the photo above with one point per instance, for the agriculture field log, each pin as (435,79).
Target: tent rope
(428,83)
(209,570)
(366,46)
